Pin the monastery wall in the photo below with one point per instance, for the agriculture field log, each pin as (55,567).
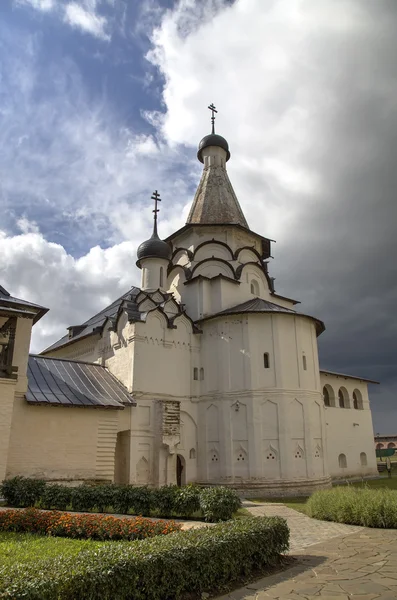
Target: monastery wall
(62,443)
(349,430)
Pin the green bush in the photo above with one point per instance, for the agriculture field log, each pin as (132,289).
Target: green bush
(160,568)
(213,504)
(56,496)
(129,498)
(187,500)
(22,491)
(355,506)
(218,503)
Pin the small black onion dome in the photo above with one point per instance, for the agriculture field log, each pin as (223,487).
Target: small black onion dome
(213,139)
(154,248)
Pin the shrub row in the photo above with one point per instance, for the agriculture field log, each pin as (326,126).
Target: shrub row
(355,506)
(96,527)
(161,568)
(212,504)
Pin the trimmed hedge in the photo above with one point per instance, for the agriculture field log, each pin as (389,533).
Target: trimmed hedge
(355,506)
(161,568)
(95,527)
(213,504)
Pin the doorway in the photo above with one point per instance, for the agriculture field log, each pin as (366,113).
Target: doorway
(180,470)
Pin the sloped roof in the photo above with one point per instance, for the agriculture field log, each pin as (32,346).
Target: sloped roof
(348,376)
(258,305)
(97,321)
(215,201)
(17,306)
(58,382)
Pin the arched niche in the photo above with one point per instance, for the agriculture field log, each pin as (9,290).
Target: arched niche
(343,398)
(246,255)
(156,319)
(181,257)
(357,400)
(213,249)
(328,395)
(213,267)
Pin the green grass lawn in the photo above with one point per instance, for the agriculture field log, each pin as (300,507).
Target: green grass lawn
(27,547)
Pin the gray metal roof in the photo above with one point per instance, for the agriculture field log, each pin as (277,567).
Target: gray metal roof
(58,382)
(258,305)
(215,201)
(95,323)
(16,305)
(348,376)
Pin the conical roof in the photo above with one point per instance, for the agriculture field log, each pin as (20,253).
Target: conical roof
(215,201)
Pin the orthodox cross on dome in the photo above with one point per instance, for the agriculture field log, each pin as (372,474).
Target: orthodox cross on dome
(156,197)
(213,110)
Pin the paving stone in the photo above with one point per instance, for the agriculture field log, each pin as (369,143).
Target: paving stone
(334,562)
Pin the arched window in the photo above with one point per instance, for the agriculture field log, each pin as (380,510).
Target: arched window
(391,445)
(327,401)
(379,446)
(363,459)
(329,394)
(357,400)
(343,398)
(201,374)
(266,362)
(342,461)
(304,362)
(195,373)
(254,287)
(161,277)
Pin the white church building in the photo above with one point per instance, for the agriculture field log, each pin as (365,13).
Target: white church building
(205,374)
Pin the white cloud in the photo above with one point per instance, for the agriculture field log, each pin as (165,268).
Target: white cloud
(42,272)
(43,5)
(84,17)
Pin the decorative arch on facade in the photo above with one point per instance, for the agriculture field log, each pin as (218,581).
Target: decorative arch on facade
(187,273)
(249,249)
(260,269)
(318,451)
(343,398)
(379,446)
(363,459)
(357,400)
(342,460)
(299,452)
(213,455)
(192,453)
(391,445)
(142,470)
(220,263)
(328,395)
(181,253)
(227,251)
(271,453)
(157,315)
(240,454)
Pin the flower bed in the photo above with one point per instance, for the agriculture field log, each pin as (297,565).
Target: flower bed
(211,504)
(164,567)
(95,527)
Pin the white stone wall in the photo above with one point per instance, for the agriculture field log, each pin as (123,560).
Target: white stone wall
(349,430)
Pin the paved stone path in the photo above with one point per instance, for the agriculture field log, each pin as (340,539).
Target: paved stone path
(304,530)
(346,563)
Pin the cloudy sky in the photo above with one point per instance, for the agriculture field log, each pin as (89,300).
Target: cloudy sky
(102,101)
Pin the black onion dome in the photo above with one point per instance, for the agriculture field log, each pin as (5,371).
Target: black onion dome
(154,248)
(213,139)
